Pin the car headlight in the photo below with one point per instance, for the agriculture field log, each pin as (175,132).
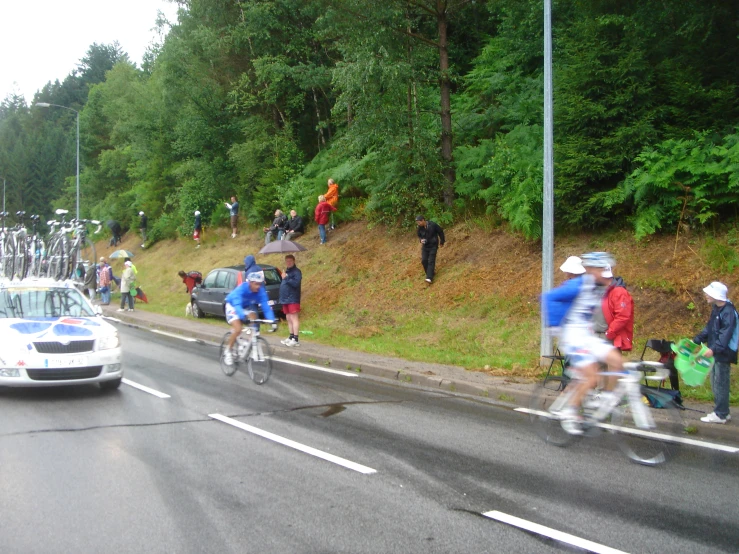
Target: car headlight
(106,343)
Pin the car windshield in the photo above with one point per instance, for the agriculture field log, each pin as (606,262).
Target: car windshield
(42,302)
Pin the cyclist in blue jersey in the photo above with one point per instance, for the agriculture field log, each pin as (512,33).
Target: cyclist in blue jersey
(242,304)
(578,342)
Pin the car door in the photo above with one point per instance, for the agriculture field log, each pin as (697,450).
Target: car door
(206,295)
(225,283)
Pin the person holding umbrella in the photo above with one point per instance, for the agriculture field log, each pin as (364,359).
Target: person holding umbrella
(290,299)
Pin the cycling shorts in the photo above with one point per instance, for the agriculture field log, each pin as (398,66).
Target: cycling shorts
(232,316)
(587,350)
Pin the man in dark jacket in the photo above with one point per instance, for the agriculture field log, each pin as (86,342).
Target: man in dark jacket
(295,227)
(277,229)
(290,299)
(116,231)
(143,224)
(721,335)
(432,238)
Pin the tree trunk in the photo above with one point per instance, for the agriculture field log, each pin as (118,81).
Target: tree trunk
(446,104)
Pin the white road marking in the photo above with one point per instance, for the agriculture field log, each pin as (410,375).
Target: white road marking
(188,339)
(649,434)
(111,318)
(145,389)
(316,367)
(585,544)
(296,445)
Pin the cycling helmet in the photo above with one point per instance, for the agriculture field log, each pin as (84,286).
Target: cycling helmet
(598,259)
(256,277)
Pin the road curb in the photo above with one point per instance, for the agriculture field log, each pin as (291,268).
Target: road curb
(499,393)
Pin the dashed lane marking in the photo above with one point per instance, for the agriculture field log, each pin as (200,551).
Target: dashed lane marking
(585,544)
(649,434)
(295,445)
(144,388)
(188,339)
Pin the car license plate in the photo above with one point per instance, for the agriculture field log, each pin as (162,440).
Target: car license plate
(74,361)
(271,302)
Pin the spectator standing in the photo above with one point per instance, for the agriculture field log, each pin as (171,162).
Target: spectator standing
(198,228)
(128,277)
(116,231)
(90,282)
(323,209)
(295,227)
(190,279)
(233,209)
(250,266)
(721,335)
(290,299)
(332,197)
(279,224)
(613,317)
(572,267)
(143,224)
(432,238)
(105,279)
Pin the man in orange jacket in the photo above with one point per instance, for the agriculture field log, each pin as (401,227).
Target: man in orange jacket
(615,318)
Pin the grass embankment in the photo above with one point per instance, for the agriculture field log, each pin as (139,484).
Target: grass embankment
(365,290)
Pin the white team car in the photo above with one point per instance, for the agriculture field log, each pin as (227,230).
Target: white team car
(50,335)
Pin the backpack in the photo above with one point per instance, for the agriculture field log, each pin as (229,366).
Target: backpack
(557,302)
(196,276)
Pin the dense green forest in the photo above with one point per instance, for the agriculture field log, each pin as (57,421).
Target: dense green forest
(431,106)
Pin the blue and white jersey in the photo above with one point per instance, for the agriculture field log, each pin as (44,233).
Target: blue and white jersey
(579,318)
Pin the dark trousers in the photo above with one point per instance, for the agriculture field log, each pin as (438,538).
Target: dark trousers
(428,260)
(124,296)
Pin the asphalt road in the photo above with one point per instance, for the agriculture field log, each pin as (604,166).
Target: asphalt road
(128,471)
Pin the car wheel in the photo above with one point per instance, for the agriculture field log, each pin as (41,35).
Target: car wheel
(196,311)
(110,385)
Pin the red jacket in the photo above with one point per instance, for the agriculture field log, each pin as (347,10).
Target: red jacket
(322,211)
(618,310)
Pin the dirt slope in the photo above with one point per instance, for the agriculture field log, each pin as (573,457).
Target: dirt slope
(365,289)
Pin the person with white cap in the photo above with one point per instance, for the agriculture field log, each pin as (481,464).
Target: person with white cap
(198,228)
(572,267)
(143,223)
(613,318)
(127,280)
(721,335)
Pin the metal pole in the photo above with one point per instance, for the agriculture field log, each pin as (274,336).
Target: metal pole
(3,193)
(547,232)
(78,165)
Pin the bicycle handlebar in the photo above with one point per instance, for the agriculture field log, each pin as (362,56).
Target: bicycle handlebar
(660,371)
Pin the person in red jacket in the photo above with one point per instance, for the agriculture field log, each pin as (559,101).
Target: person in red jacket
(615,318)
(323,209)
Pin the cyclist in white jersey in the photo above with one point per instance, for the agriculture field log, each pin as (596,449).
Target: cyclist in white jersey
(584,350)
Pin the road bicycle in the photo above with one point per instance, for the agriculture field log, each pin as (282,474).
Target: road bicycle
(251,349)
(645,439)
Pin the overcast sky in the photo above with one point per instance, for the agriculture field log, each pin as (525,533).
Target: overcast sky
(44,40)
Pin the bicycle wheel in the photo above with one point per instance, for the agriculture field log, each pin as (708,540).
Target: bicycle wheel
(20,265)
(56,267)
(259,361)
(83,252)
(8,258)
(227,369)
(547,425)
(648,446)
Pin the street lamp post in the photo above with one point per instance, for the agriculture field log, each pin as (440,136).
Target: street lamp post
(47,105)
